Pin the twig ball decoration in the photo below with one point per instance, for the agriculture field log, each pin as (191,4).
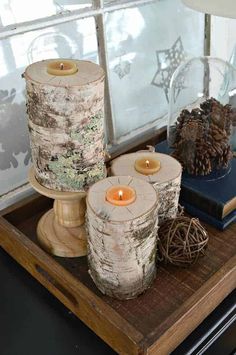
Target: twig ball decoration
(65,118)
(122,241)
(182,241)
(165,180)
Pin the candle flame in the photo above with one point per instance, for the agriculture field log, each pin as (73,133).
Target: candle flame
(147,163)
(61,66)
(120,194)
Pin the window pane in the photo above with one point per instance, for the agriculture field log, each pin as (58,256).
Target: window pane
(223,37)
(145,45)
(76,39)
(15,11)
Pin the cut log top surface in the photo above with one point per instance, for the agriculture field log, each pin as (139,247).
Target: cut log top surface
(88,73)
(146,199)
(170,167)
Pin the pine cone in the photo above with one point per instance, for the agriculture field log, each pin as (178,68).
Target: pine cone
(202,137)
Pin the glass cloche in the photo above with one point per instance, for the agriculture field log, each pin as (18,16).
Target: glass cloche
(201,112)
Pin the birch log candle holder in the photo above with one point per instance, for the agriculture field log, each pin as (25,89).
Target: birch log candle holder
(160,170)
(65,118)
(122,225)
(65,102)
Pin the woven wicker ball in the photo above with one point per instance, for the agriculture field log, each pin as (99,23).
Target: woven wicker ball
(181,241)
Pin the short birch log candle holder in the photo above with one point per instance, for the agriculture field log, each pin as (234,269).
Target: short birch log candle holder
(61,230)
(160,170)
(122,226)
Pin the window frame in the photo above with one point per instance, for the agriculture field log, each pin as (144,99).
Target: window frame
(98,10)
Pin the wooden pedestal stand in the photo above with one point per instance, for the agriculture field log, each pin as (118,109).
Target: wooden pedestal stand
(61,231)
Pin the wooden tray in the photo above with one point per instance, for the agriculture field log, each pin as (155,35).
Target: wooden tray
(154,323)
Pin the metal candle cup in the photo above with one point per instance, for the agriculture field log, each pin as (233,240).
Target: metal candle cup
(62,67)
(120,195)
(147,165)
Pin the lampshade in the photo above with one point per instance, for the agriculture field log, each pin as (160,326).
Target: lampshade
(224,8)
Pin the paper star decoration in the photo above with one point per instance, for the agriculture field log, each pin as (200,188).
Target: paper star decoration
(122,69)
(168,61)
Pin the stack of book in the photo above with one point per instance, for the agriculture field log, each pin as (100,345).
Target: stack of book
(210,198)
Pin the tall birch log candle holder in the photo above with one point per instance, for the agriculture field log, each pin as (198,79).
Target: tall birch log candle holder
(122,225)
(65,102)
(162,171)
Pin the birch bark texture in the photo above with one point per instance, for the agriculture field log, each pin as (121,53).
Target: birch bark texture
(122,239)
(65,119)
(166,181)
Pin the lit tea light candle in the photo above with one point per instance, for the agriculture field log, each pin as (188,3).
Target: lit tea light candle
(147,165)
(120,195)
(62,67)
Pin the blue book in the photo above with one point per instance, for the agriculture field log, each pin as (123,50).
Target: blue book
(219,224)
(214,194)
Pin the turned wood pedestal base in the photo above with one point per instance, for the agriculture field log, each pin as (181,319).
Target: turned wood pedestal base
(61,230)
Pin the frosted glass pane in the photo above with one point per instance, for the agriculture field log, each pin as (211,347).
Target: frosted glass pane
(76,39)
(145,45)
(15,11)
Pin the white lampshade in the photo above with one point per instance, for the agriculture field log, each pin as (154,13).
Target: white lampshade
(224,8)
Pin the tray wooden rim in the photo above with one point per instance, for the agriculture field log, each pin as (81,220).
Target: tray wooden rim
(115,330)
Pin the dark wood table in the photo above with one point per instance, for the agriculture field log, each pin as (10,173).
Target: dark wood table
(33,322)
